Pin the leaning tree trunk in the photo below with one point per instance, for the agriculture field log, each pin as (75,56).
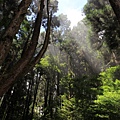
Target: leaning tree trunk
(21,67)
(115,4)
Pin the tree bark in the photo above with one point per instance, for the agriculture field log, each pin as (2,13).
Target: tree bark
(35,93)
(7,37)
(43,49)
(115,4)
(7,80)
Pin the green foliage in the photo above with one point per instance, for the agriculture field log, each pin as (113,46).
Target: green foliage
(78,97)
(50,62)
(108,103)
(100,16)
(44,62)
(68,110)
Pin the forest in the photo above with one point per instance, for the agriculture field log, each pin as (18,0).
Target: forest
(50,71)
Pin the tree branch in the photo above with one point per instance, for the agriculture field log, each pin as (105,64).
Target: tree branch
(7,37)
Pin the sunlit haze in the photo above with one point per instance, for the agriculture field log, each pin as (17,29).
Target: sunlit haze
(73,10)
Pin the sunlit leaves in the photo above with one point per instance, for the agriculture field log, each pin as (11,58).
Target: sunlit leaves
(68,110)
(109,100)
(44,62)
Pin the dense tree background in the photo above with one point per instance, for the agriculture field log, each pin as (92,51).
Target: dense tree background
(50,71)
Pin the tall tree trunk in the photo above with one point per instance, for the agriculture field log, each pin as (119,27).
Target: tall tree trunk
(46,93)
(28,100)
(44,47)
(116,8)
(7,80)
(35,93)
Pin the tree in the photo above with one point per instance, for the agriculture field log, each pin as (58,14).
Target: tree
(21,95)
(63,84)
(101,18)
(107,103)
(23,64)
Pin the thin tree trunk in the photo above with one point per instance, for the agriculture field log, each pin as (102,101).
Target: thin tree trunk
(28,99)
(46,93)
(35,93)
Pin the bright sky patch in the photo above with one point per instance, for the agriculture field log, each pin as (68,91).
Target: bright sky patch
(73,10)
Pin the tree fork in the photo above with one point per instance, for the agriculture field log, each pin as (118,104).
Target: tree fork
(43,49)
(7,80)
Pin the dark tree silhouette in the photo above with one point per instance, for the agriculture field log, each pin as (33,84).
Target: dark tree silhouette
(116,8)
